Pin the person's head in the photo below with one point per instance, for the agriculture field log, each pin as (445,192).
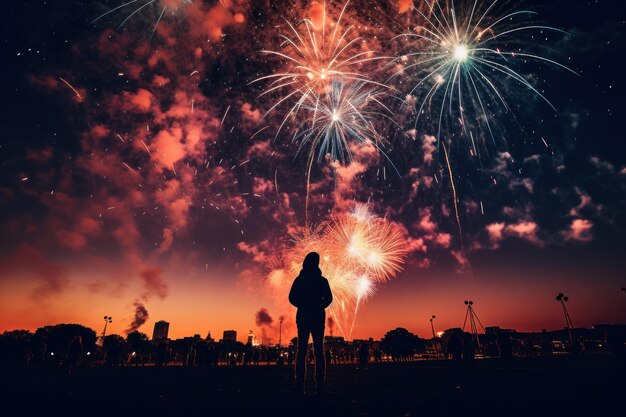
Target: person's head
(311,261)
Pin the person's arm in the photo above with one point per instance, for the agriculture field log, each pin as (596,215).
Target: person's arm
(294,294)
(327,295)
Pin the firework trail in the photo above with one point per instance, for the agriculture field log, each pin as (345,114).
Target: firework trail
(157,7)
(357,252)
(456,204)
(364,288)
(72,88)
(464,59)
(308,190)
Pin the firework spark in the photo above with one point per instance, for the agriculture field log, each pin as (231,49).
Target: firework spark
(466,58)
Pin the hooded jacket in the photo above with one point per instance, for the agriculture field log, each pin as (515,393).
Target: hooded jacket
(310,293)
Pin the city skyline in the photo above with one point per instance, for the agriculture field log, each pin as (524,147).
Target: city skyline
(265,335)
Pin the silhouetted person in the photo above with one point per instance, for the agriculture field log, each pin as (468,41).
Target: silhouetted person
(469,348)
(247,354)
(214,355)
(546,343)
(506,347)
(364,354)
(73,352)
(290,355)
(455,346)
(161,356)
(311,294)
(616,340)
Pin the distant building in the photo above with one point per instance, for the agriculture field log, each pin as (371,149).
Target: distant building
(161,329)
(251,339)
(209,338)
(230,335)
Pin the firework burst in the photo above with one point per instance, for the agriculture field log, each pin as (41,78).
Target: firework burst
(312,59)
(465,59)
(343,116)
(366,243)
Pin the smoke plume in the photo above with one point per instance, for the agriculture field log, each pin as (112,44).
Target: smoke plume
(141,316)
(263,318)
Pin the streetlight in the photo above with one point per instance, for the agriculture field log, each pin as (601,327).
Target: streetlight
(562,298)
(473,318)
(280,332)
(432,327)
(107,320)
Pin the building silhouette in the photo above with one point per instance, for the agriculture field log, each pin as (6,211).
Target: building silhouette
(230,335)
(161,329)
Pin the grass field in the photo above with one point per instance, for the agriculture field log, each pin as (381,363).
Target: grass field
(565,386)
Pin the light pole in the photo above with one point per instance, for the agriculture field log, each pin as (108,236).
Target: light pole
(107,320)
(280,332)
(432,327)
(473,318)
(562,298)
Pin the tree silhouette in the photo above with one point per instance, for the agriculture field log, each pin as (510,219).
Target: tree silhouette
(15,346)
(138,346)
(113,339)
(137,341)
(401,344)
(57,338)
(113,348)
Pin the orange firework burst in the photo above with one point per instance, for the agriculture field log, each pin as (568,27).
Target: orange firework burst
(357,252)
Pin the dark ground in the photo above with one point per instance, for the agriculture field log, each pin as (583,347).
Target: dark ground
(586,386)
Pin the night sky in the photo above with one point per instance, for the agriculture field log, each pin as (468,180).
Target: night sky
(143,170)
